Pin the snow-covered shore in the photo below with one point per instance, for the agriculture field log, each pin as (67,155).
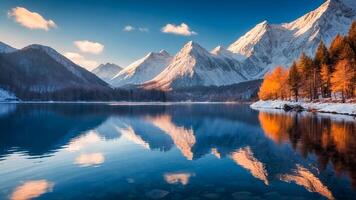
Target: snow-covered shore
(337,108)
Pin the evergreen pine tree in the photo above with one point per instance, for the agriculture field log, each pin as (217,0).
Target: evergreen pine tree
(335,48)
(322,55)
(294,79)
(305,66)
(325,75)
(352,36)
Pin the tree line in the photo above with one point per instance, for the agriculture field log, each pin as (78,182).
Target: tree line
(330,74)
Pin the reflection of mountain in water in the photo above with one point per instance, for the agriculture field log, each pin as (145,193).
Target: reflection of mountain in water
(183,138)
(40,130)
(280,148)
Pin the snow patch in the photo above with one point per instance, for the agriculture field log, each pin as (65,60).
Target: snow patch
(337,108)
(7,96)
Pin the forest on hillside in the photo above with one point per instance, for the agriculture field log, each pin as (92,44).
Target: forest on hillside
(331,74)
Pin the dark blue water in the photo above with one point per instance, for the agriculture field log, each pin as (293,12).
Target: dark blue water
(200,151)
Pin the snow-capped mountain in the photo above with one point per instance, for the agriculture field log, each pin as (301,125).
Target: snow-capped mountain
(142,70)
(41,68)
(4,48)
(268,45)
(195,66)
(107,71)
(258,51)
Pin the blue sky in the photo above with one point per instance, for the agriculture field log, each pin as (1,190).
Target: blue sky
(211,23)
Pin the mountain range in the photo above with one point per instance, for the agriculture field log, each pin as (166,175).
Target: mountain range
(255,53)
(41,68)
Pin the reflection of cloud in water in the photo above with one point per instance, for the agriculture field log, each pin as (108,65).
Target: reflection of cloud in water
(308,180)
(183,138)
(85,160)
(31,189)
(130,134)
(245,158)
(174,178)
(81,142)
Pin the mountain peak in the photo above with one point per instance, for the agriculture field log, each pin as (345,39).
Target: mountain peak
(263,24)
(141,70)
(107,71)
(164,52)
(219,50)
(244,45)
(37,46)
(192,48)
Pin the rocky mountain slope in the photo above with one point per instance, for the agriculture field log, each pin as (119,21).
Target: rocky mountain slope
(142,70)
(268,45)
(107,71)
(40,68)
(195,66)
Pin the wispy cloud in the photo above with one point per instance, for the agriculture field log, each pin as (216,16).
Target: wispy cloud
(143,29)
(31,20)
(182,29)
(130,28)
(89,46)
(81,60)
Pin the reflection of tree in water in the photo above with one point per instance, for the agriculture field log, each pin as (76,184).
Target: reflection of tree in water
(330,140)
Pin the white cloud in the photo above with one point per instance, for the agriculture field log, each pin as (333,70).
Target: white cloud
(31,20)
(128,28)
(89,46)
(81,60)
(143,29)
(182,29)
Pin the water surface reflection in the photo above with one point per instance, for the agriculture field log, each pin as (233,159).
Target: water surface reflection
(197,151)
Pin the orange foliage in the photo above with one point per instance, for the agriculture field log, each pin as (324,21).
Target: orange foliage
(276,126)
(340,136)
(274,85)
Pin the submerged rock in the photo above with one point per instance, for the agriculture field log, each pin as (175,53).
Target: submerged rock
(296,108)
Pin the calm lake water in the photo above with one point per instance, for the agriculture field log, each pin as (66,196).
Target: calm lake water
(200,151)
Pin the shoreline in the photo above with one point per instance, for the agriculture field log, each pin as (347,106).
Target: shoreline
(319,107)
(124,102)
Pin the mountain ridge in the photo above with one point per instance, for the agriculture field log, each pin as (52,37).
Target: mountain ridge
(40,68)
(106,71)
(141,70)
(193,66)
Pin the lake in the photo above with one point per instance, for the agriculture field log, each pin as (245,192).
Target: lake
(174,151)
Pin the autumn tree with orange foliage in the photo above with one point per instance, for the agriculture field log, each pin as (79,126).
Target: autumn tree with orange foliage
(342,79)
(274,85)
(331,71)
